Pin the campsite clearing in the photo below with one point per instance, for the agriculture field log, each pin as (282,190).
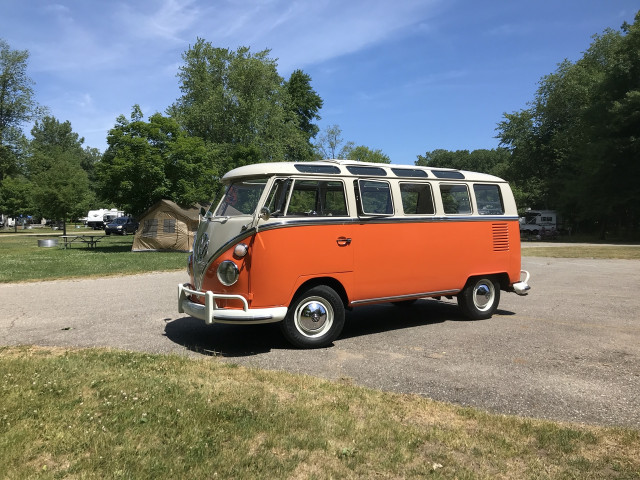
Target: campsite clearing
(24,261)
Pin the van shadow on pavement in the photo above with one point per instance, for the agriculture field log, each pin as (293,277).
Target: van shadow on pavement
(247,340)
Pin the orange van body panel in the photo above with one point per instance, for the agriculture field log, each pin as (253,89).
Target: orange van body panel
(284,258)
(405,258)
(384,259)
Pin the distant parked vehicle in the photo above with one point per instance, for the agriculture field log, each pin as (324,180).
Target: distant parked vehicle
(98,219)
(539,223)
(122,226)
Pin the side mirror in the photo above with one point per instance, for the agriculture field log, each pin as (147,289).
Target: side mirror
(265,213)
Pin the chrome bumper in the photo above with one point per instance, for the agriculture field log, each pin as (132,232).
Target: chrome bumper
(522,287)
(211,313)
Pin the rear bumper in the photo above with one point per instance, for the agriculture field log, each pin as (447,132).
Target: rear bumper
(211,313)
(522,287)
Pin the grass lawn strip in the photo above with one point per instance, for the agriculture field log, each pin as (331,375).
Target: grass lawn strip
(23,261)
(99,413)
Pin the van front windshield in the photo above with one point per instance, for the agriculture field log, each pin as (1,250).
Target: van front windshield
(241,198)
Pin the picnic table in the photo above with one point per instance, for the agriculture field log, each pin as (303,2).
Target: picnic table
(89,240)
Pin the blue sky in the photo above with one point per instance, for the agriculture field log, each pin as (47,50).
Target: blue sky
(402,76)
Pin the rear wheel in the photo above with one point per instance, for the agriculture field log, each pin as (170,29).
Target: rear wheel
(315,318)
(480,298)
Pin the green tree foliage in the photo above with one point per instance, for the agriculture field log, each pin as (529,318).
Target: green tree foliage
(306,104)
(16,105)
(365,154)
(16,197)
(60,186)
(149,161)
(236,101)
(577,147)
(330,144)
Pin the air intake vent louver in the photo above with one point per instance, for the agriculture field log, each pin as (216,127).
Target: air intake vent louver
(500,237)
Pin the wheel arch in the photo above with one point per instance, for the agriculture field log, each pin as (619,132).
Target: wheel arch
(329,282)
(501,277)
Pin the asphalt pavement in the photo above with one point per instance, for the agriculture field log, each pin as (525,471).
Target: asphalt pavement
(568,351)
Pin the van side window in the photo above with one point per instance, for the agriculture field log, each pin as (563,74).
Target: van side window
(455,198)
(278,196)
(417,199)
(375,197)
(488,199)
(317,198)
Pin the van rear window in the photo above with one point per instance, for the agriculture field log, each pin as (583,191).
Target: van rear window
(488,199)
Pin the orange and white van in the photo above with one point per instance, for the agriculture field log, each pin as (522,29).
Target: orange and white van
(298,243)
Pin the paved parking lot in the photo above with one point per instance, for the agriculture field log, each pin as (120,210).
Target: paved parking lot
(568,351)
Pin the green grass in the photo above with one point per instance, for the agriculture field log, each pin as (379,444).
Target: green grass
(111,414)
(584,251)
(22,260)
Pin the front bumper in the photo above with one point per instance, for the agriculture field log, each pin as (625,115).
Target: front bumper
(211,313)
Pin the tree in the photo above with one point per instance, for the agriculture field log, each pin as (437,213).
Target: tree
(365,154)
(16,197)
(236,99)
(331,144)
(17,106)
(305,103)
(60,184)
(149,161)
(62,192)
(577,143)
(487,161)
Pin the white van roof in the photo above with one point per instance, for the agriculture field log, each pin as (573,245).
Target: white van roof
(352,168)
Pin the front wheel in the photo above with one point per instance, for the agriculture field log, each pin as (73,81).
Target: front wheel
(315,318)
(480,298)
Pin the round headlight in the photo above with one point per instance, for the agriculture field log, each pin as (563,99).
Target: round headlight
(228,273)
(240,250)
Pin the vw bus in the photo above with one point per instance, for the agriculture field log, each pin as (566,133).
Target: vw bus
(299,243)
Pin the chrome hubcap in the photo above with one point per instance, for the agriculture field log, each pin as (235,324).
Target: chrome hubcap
(483,295)
(314,317)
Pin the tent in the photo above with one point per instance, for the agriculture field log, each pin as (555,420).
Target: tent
(166,226)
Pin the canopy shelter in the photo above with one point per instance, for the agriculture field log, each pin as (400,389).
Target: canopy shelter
(167,226)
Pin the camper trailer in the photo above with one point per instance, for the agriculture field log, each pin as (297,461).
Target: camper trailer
(97,219)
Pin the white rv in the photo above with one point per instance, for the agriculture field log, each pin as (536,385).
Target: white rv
(97,219)
(541,223)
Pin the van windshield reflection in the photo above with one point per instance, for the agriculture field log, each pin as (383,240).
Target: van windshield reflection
(241,198)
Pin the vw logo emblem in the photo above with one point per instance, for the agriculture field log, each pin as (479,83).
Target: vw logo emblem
(201,247)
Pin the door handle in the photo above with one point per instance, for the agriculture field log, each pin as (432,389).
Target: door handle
(343,241)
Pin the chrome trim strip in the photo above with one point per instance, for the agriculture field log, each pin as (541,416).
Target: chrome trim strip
(298,222)
(405,297)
